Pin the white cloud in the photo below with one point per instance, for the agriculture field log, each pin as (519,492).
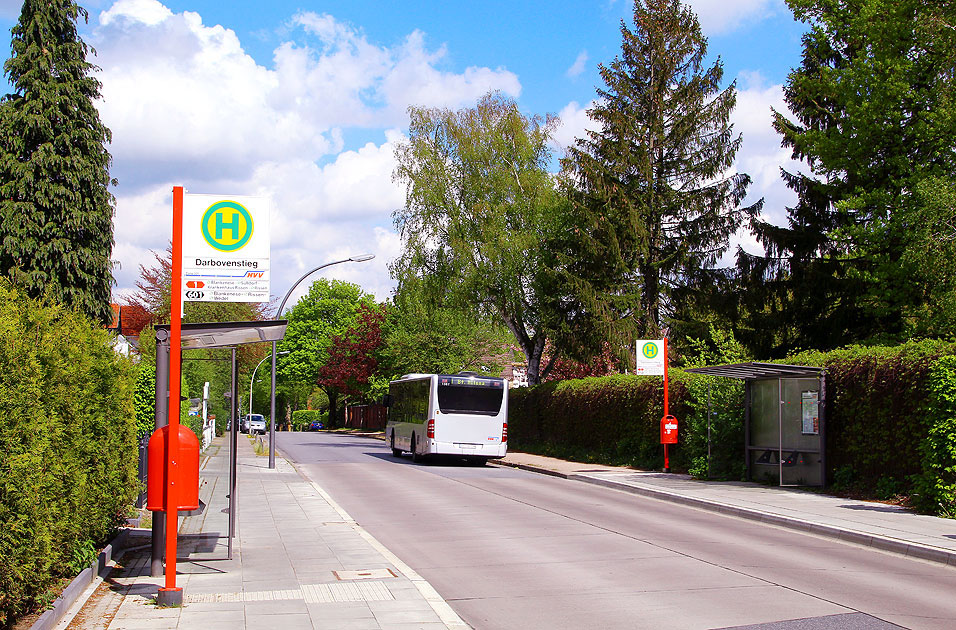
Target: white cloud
(719,17)
(579,65)
(188,106)
(575,123)
(761,155)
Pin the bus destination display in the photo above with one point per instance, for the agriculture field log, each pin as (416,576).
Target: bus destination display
(459,381)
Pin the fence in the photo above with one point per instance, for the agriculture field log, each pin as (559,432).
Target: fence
(367,417)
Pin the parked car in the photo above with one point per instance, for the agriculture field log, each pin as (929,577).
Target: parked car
(257,423)
(244,424)
(315,425)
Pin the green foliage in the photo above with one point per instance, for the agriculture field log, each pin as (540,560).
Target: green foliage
(302,418)
(877,407)
(144,398)
(874,118)
(84,554)
(723,436)
(67,444)
(615,418)
(480,209)
(890,419)
(936,483)
(432,339)
(652,199)
(56,211)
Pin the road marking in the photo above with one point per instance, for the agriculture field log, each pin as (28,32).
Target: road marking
(366,591)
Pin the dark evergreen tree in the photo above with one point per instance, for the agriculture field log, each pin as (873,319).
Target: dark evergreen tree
(653,204)
(874,118)
(56,210)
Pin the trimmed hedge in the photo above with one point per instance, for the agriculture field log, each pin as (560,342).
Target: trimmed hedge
(67,446)
(891,421)
(614,419)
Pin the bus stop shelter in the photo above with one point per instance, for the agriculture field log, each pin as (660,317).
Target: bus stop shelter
(208,335)
(784,421)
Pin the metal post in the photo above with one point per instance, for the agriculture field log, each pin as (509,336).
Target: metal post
(272,403)
(233,444)
(162,419)
(780,430)
(748,401)
(822,415)
(709,386)
(272,411)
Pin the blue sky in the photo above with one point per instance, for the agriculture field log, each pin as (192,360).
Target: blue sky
(304,102)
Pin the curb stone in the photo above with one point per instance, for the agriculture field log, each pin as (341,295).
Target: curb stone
(104,561)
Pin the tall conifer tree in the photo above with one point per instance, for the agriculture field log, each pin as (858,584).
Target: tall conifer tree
(874,117)
(653,201)
(56,210)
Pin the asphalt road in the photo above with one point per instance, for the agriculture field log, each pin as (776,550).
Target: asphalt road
(510,549)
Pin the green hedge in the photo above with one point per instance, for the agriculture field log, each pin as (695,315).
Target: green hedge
(302,418)
(67,446)
(891,421)
(614,419)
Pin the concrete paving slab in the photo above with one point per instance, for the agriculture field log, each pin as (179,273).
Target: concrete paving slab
(290,540)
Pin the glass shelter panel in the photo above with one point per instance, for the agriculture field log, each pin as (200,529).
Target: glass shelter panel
(800,426)
(785,441)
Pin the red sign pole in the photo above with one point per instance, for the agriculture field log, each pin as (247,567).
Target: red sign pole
(667,464)
(171,595)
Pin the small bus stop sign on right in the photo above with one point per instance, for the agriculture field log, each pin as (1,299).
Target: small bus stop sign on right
(650,357)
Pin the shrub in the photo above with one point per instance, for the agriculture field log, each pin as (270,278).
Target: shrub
(303,418)
(611,418)
(890,421)
(67,445)
(936,483)
(878,411)
(144,398)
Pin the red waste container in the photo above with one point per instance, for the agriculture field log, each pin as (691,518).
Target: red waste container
(668,430)
(185,471)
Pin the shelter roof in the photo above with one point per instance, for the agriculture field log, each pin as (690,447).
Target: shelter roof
(753,371)
(223,334)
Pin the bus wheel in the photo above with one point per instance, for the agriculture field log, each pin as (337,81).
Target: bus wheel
(396,452)
(415,456)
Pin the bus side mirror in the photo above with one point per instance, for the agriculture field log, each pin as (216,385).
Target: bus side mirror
(387,400)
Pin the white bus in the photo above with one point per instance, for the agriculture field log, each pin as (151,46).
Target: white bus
(464,414)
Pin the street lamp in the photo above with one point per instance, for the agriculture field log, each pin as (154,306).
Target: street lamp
(253,379)
(272,402)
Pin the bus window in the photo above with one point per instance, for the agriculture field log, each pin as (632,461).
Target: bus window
(471,396)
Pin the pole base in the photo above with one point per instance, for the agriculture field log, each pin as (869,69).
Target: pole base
(666,469)
(170,597)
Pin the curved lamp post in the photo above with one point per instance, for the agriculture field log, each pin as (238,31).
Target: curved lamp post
(272,404)
(253,379)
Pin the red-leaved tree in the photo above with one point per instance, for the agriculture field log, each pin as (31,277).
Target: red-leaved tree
(353,355)
(601,365)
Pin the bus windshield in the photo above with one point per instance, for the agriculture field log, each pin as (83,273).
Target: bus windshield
(480,396)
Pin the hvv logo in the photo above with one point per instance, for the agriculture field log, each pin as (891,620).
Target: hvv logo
(227,226)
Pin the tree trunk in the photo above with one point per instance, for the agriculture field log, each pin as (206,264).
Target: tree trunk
(533,354)
(333,407)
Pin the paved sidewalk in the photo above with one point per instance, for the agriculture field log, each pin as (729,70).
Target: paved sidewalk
(299,562)
(887,527)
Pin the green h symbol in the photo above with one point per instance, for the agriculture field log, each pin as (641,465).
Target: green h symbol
(232,225)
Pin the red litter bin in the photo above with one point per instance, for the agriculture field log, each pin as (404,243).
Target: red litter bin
(185,471)
(668,430)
